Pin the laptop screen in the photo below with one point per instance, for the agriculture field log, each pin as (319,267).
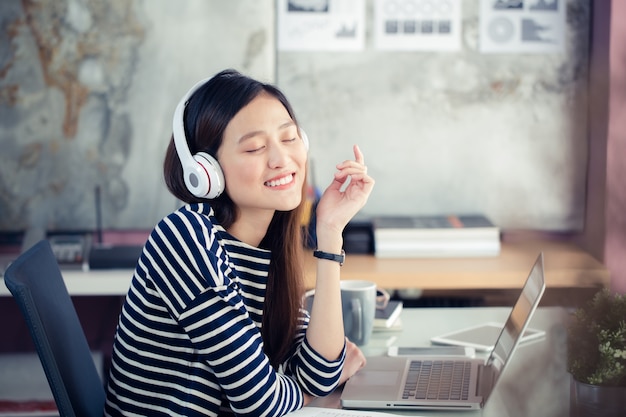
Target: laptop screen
(520,316)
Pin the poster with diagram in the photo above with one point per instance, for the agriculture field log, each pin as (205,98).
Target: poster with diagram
(522,26)
(418,25)
(321,25)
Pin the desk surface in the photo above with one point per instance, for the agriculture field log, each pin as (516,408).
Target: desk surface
(535,382)
(566,266)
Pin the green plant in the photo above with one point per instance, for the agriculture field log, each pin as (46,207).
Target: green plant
(597,340)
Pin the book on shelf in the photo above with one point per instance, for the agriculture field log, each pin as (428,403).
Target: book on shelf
(386,318)
(435,236)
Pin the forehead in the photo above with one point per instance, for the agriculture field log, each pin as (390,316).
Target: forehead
(264,112)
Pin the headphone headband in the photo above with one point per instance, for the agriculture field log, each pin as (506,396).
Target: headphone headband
(178,122)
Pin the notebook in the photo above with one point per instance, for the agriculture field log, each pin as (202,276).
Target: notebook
(397,382)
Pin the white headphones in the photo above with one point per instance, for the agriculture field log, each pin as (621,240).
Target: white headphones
(202,173)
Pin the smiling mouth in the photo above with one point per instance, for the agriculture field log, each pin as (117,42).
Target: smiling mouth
(281,181)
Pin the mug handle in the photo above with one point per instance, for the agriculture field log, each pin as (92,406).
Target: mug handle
(382,298)
(357,318)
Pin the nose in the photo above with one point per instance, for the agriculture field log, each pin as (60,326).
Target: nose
(278,156)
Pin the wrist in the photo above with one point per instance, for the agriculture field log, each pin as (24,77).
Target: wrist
(330,246)
(329,241)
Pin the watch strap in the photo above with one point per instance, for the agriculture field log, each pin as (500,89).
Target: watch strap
(331,256)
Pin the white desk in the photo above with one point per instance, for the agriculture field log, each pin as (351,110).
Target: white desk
(535,383)
(95,282)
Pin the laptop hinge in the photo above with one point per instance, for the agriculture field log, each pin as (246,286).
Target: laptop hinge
(486,378)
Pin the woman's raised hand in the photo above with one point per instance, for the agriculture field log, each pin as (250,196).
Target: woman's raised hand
(346,195)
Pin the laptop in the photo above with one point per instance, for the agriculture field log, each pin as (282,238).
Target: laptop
(400,382)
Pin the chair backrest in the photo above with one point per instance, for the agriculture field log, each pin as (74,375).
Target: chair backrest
(37,285)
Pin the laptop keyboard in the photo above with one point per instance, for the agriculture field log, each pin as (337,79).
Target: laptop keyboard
(438,380)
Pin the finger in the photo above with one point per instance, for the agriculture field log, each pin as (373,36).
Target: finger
(352,166)
(358,155)
(360,175)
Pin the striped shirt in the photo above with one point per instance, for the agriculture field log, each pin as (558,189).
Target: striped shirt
(188,341)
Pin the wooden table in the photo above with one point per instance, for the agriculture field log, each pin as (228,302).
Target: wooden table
(566,266)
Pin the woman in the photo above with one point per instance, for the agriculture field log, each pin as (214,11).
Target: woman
(213,321)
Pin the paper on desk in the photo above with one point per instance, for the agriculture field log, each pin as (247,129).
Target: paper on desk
(334,412)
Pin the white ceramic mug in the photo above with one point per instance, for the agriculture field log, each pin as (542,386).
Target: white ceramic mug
(358,304)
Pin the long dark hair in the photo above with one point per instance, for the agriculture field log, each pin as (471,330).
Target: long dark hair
(209,111)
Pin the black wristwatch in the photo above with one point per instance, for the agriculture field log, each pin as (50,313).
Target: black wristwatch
(331,256)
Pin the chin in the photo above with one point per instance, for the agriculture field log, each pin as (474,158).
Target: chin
(289,204)
(287,207)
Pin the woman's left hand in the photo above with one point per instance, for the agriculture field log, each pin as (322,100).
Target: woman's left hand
(355,360)
(337,205)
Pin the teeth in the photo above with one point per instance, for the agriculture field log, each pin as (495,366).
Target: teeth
(282,181)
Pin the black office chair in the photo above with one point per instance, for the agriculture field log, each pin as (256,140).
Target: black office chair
(35,281)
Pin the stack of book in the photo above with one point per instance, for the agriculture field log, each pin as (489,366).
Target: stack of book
(435,236)
(388,318)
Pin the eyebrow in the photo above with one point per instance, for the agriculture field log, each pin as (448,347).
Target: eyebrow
(249,135)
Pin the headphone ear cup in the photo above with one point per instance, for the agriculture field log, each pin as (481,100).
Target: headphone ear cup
(211,182)
(202,173)
(204,177)
(196,178)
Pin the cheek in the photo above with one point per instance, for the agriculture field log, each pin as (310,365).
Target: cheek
(240,175)
(301,158)
(304,163)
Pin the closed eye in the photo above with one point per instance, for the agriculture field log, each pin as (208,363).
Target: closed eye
(289,140)
(255,149)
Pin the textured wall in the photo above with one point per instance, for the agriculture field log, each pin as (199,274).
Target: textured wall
(87,93)
(455,132)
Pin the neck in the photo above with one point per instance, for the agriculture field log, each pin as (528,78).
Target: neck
(251,228)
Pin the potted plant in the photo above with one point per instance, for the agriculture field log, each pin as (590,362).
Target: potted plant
(597,356)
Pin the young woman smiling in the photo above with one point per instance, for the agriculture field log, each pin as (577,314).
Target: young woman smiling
(213,322)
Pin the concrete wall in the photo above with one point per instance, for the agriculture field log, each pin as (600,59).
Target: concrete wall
(502,134)
(86,97)
(87,94)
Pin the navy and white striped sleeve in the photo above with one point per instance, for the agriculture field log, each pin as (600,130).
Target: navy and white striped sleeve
(194,284)
(317,375)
